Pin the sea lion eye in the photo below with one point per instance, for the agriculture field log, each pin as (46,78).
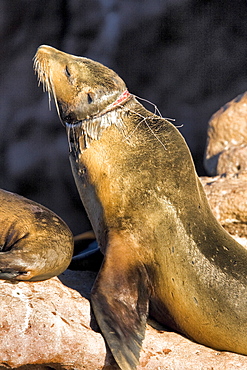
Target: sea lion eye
(89,99)
(67,72)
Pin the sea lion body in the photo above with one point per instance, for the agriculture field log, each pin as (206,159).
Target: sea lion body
(165,253)
(35,244)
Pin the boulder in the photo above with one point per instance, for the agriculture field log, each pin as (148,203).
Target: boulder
(48,325)
(226,150)
(226,156)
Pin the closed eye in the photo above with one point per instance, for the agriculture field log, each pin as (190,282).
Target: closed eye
(67,72)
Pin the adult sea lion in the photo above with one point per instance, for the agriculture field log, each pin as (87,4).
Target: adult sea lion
(164,252)
(35,244)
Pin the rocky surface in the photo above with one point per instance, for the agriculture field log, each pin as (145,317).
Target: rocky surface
(49,326)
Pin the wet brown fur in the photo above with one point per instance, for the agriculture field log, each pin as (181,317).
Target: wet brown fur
(164,251)
(35,244)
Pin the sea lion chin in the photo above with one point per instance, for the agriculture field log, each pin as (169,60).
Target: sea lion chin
(164,252)
(35,244)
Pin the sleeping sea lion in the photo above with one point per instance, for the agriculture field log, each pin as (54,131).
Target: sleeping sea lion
(35,244)
(164,252)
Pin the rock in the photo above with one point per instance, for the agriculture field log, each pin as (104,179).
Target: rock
(227,195)
(226,150)
(226,156)
(233,160)
(47,325)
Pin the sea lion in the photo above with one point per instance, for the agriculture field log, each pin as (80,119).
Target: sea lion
(35,244)
(164,252)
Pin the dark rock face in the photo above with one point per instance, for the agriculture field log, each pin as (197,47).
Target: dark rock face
(187,57)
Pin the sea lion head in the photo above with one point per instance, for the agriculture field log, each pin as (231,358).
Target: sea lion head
(81,88)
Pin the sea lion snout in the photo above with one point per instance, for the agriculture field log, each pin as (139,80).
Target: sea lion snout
(47,49)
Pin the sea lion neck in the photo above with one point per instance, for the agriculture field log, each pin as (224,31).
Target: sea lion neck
(82,88)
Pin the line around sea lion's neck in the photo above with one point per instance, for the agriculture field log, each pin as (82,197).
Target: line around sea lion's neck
(126,95)
(121,100)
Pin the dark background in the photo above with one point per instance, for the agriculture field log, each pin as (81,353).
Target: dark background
(186,56)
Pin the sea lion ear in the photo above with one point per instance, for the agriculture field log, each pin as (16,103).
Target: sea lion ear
(120,300)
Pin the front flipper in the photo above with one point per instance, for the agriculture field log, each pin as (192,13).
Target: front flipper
(120,299)
(10,274)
